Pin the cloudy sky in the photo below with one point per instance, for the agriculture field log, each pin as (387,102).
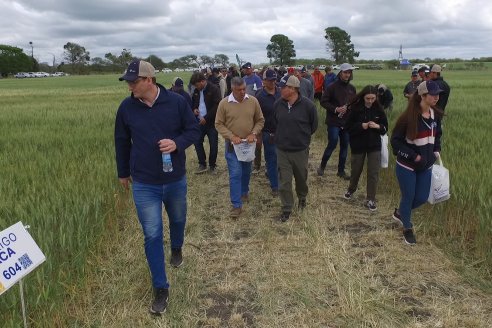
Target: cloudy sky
(171,29)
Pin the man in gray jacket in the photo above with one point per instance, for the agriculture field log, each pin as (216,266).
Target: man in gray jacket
(296,120)
(306,87)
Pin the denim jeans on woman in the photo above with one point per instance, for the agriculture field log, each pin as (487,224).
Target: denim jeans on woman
(148,201)
(239,176)
(414,188)
(335,133)
(271,159)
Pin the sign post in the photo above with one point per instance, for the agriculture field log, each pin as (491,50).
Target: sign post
(19,255)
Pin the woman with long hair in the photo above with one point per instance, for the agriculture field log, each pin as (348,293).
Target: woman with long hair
(416,141)
(366,124)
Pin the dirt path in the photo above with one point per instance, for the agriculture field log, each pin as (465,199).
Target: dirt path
(333,265)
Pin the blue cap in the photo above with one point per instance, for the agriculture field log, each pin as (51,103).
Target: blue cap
(247,65)
(269,75)
(136,69)
(429,87)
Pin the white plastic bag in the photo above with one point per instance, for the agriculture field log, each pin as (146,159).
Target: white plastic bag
(245,151)
(384,151)
(439,190)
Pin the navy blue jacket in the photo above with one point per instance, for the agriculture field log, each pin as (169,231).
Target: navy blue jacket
(427,142)
(139,127)
(266,101)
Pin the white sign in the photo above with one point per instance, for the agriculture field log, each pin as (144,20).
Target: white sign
(19,255)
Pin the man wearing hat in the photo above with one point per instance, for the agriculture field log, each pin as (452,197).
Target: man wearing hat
(335,100)
(330,77)
(307,88)
(435,75)
(178,87)
(411,86)
(296,119)
(267,97)
(423,73)
(206,98)
(253,81)
(151,123)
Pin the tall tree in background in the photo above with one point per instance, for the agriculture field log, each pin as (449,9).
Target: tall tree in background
(75,54)
(206,60)
(221,60)
(281,49)
(121,60)
(13,60)
(338,43)
(156,62)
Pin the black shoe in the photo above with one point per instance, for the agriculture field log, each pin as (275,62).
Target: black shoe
(159,305)
(284,217)
(348,195)
(201,169)
(343,175)
(320,171)
(212,170)
(302,204)
(176,257)
(409,236)
(397,217)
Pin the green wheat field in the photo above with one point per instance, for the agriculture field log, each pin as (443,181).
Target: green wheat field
(334,265)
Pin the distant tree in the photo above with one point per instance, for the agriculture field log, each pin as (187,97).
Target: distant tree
(340,46)
(13,60)
(281,49)
(221,60)
(122,60)
(156,62)
(189,61)
(75,54)
(206,60)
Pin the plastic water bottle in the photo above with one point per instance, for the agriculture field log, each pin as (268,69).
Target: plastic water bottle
(167,164)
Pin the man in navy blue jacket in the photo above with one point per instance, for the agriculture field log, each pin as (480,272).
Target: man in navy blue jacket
(151,123)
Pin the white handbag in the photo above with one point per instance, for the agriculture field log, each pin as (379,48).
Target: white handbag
(439,189)
(384,151)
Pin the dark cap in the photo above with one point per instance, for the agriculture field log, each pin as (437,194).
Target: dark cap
(178,82)
(415,73)
(428,87)
(215,70)
(136,69)
(247,65)
(289,80)
(269,75)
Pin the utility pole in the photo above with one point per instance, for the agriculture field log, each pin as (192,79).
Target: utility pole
(53,60)
(32,54)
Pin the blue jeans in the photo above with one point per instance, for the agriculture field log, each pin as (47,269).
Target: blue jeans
(213,141)
(335,133)
(239,175)
(148,201)
(271,160)
(414,188)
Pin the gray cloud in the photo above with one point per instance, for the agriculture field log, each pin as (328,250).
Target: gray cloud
(170,29)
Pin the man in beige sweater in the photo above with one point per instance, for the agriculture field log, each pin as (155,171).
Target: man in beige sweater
(238,118)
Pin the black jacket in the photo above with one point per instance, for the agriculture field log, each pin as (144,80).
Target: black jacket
(212,98)
(365,140)
(339,93)
(444,95)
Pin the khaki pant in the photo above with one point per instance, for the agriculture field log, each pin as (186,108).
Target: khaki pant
(373,167)
(292,164)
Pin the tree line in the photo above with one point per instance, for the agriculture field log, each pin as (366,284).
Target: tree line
(280,51)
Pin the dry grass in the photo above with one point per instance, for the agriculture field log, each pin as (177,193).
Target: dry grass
(333,265)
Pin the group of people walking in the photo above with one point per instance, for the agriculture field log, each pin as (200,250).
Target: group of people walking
(155,124)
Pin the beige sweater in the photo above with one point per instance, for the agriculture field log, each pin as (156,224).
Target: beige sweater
(239,119)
